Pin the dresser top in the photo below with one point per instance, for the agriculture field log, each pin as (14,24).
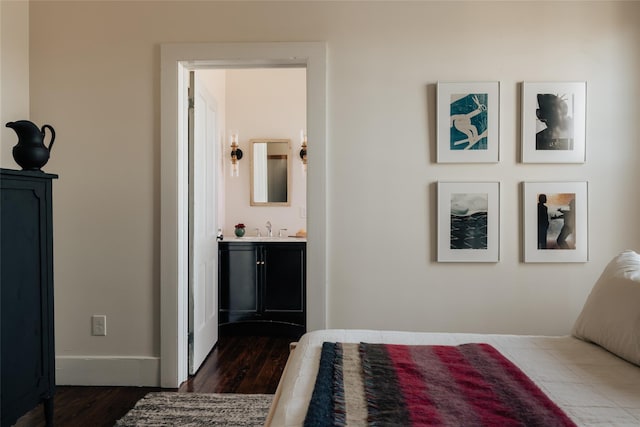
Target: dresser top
(30,174)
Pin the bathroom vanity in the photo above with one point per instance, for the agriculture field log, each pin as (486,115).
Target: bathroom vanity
(262,286)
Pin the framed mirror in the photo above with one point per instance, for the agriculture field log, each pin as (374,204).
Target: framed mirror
(270,172)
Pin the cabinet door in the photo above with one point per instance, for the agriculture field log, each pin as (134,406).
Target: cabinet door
(284,274)
(238,282)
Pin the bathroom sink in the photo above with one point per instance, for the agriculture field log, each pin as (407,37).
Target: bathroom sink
(267,239)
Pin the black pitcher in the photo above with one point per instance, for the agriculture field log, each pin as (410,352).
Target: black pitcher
(30,152)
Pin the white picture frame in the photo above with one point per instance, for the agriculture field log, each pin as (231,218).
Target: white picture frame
(555,221)
(468,122)
(468,221)
(554,122)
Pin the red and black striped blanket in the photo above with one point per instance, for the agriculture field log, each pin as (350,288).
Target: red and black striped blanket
(425,385)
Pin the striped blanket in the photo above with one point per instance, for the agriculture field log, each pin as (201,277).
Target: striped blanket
(427,385)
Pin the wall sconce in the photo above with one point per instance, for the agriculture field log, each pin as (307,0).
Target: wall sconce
(303,150)
(236,154)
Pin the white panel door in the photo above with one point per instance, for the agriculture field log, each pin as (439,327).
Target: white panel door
(203,262)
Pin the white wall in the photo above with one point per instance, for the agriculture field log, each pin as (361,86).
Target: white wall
(14,74)
(259,103)
(94,75)
(265,103)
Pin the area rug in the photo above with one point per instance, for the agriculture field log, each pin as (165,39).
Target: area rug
(198,409)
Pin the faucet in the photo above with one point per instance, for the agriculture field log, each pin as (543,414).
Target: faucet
(280,232)
(268,225)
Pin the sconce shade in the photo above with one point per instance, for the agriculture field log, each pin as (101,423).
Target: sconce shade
(236,155)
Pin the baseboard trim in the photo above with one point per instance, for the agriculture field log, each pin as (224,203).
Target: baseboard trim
(108,371)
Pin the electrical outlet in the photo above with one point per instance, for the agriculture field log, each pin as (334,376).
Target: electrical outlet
(303,212)
(99,325)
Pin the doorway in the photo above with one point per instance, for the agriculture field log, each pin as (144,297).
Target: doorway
(176,62)
(248,104)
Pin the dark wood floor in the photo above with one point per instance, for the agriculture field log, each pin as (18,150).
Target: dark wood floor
(236,365)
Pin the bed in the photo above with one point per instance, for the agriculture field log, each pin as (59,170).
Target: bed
(591,377)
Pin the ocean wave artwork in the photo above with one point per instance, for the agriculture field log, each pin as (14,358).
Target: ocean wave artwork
(469,218)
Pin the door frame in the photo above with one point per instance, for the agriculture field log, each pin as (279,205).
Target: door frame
(176,59)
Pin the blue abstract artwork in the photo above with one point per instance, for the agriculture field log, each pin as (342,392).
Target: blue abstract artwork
(469,121)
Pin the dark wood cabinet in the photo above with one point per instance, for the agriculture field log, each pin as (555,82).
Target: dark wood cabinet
(27,359)
(262,288)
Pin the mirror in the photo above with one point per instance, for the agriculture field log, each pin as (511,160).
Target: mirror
(270,172)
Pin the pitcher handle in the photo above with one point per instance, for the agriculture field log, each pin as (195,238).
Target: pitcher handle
(53,134)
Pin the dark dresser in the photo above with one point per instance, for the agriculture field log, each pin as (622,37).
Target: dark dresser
(27,358)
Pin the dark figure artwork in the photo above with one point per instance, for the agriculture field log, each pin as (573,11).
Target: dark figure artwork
(556,221)
(543,221)
(553,112)
(568,226)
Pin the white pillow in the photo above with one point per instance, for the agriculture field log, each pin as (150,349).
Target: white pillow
(611,315)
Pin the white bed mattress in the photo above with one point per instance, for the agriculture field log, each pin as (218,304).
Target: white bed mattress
(593,386)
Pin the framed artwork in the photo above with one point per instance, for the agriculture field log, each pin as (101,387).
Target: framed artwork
(555,221)
(468,122)
(554,122)
(468,221)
